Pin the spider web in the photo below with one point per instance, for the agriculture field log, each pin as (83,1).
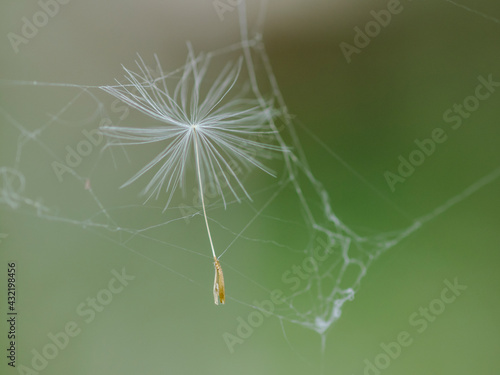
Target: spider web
(332,278)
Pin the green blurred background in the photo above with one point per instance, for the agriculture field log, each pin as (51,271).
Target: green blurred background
(368,111)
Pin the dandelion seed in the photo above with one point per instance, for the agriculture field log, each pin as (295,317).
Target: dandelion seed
(219,289)
(216,129)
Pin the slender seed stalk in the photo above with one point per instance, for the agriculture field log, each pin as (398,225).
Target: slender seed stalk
(201,188)
(219,288)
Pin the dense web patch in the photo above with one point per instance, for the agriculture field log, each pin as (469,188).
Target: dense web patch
(335,257)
